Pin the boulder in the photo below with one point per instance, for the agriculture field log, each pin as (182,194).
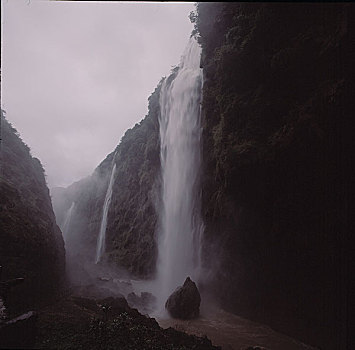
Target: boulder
(185,302)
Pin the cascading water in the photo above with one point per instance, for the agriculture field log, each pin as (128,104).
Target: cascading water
(102,235)
(180,132)
(67,221)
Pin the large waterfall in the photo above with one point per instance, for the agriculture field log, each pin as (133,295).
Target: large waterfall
(180,132)
(102,235)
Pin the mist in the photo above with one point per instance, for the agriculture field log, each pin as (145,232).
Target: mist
(83,73)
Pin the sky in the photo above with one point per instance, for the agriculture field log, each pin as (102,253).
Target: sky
(76,75)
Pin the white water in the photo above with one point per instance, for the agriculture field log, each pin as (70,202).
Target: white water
(67,221)
(180,132)
(101,241)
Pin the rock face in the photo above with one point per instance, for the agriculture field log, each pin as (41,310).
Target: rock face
(185,302)
(276,115)
(131,220)
(144,303)
(31,243)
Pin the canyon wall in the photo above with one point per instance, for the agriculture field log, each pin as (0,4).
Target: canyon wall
(275,111)
(31,243)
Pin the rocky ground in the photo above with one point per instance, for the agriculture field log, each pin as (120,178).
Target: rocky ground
(76,322)
(93,317)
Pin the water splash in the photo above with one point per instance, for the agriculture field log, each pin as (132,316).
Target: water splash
(67,221)
(181,226)
(101,241)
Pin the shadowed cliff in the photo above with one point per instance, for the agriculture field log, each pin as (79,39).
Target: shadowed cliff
(275,113)
(31,244)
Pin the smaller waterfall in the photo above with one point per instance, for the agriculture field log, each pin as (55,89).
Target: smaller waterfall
(67,221)
(102,235)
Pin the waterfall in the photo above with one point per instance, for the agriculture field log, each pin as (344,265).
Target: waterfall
(67,220)
(102,235)
(180,132)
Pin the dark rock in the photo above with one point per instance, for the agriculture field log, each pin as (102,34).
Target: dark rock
(3,314)
(184,303)
(11,283)
(144,303)
(272,174)
(114,306)
(20,332)
(87,303)
(6,286)
(63,325)
(109,307)
(31,243)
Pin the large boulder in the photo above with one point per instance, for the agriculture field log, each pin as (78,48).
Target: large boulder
(185,302)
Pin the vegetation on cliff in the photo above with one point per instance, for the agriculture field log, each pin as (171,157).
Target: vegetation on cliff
(132,216)
(31,244)
(274,109)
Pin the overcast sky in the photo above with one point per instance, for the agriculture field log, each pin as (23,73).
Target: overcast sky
(77,75)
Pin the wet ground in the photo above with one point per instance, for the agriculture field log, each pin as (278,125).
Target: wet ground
(227,330)
(233,332)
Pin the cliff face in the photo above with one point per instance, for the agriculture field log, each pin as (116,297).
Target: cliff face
(31,244)
(132,217)
(275,108)
(131,221)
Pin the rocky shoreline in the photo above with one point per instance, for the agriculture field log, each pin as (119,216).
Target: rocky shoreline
(78,322)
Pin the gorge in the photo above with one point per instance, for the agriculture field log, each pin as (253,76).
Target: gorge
(236,177)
